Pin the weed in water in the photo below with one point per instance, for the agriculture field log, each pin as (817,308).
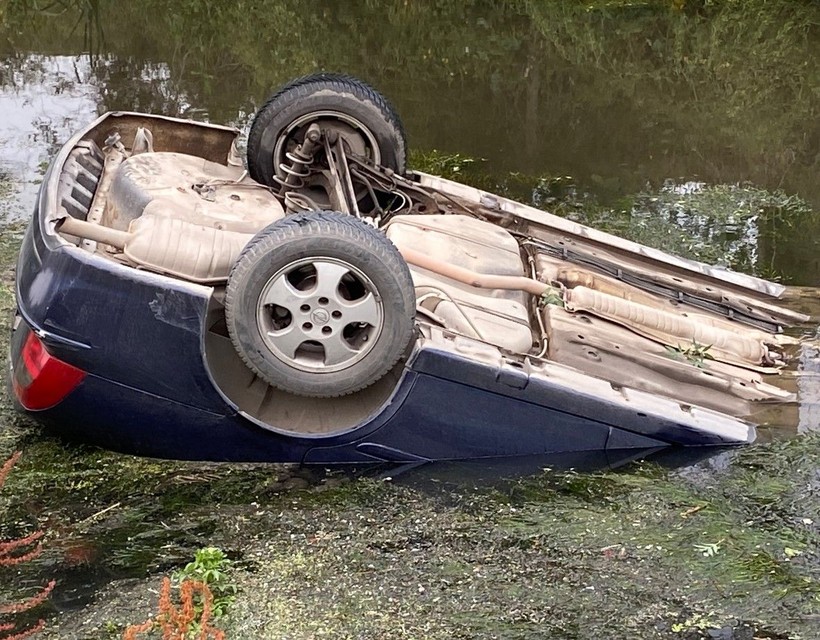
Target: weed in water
(209,567)
(696,354)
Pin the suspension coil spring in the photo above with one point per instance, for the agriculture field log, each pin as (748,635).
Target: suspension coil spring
(298,168)
(296,171)
(299,203)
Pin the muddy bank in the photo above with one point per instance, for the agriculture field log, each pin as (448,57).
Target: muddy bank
(728,548)
(644,552)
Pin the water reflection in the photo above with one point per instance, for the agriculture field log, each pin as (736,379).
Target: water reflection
(808,388)
(504,474)
(619,98)
(43,99)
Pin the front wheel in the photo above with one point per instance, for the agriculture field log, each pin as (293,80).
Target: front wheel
(320,304)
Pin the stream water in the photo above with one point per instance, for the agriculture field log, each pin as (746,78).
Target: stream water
(694,129)
(627,101)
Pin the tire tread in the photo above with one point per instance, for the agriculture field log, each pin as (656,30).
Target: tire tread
(306,85)
(317,223)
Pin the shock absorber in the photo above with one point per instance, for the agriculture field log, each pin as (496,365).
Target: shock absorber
(300,160)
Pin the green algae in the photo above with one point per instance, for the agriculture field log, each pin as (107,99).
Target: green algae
(616,555)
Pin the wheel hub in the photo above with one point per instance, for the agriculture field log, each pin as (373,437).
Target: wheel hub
(320,315)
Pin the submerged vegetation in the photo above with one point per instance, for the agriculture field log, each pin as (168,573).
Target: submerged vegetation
(741,227)
(14,553)
(738,226)
(557,555)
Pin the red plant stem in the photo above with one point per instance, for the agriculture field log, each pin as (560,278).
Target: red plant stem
(30,603)
(14,552)
(26,633)
(11,551)
(135,630)
(10,545)
(174,622)
(7,465)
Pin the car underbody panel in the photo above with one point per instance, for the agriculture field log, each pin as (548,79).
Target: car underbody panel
(533,334)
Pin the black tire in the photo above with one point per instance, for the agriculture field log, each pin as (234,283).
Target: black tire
(281,122)
(320,304)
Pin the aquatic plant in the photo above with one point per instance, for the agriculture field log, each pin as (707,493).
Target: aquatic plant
(181,623)
(15,552)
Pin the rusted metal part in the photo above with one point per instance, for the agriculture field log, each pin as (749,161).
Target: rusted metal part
(670,328)
(571,276)
(755,313)
(531,261)
(615,353)
(415,197)
(95,232)
(169,245)
(343,194)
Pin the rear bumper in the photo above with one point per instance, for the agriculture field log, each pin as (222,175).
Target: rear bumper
(120,324)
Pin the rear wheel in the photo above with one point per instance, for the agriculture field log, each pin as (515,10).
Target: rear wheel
(320,304)
(338,104)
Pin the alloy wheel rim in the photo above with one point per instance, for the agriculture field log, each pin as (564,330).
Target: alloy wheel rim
(320,315)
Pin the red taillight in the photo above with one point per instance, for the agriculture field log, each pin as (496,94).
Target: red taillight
(40,380)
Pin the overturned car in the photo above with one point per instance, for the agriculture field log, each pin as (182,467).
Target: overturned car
(320,303)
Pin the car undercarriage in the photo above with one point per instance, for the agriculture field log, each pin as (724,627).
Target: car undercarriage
(329,268)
